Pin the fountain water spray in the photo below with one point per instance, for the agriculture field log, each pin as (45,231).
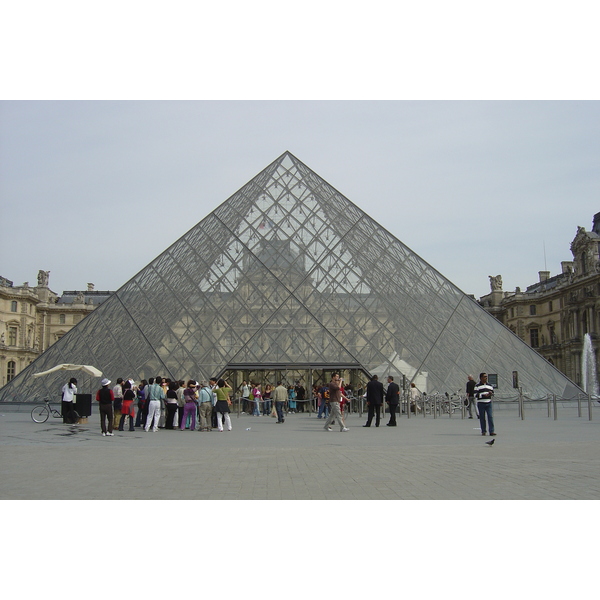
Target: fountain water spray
(589,379)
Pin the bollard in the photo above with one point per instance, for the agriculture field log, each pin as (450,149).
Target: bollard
(579,405)
(589,407)
(521,404)
(548,403)
(555,411)
(433,407)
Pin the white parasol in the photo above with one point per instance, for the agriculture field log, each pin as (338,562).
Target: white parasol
(68,367)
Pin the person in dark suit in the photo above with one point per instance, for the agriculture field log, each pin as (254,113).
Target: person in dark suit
(392,397)
(374,400)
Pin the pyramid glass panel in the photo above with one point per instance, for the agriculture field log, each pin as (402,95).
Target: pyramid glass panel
(289,272)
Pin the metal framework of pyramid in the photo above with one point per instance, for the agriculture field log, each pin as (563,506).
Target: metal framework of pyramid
(288,271)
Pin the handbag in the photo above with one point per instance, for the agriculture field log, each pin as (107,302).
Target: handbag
(273,411)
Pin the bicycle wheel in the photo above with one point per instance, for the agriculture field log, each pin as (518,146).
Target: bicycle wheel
(40,414)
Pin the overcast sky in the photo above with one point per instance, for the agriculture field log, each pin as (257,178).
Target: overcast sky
(92,191)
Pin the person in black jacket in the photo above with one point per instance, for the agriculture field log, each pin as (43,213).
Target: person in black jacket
(392,397)
(470,401)
(374,400)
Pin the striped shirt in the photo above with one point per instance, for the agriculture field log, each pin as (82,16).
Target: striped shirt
(483,392)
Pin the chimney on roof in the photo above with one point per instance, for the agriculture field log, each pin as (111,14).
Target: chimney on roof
(544,276)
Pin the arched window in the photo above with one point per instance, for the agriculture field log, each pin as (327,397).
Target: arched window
(11,367)
(13,306)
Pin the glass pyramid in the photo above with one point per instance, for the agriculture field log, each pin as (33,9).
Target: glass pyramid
(289,273)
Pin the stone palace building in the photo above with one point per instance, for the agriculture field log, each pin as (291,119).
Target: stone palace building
(33,318)
(553,315)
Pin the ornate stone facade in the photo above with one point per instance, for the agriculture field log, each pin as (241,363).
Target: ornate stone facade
(33,318)
(553,315)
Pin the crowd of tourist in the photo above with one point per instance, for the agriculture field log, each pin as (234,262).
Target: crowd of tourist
(203,406)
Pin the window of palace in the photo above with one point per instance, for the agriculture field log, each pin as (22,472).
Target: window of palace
(550,306)
(62,319)
(12,336)
(13,306)
(532,310)
(534,338)
(11,367)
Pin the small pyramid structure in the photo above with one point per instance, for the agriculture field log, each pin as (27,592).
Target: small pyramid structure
(287,272)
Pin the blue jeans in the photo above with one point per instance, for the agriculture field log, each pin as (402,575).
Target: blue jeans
(483,409)
(279,409)
(266,407)
(323,410)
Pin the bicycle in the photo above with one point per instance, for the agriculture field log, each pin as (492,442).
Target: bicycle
(40,414)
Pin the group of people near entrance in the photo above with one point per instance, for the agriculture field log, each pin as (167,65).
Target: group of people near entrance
(160,402)
(209,404)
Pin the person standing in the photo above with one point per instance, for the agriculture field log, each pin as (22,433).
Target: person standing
(172,405)
(222,406)
(471,396)
(335,397)
(267,400)
(246,397)
(484,393)
(257,398)
(292,399)
(280,397)
(155,395)
(190,407)
(205,408)
(127,409)
(181,403)
(68,396)
(212,382)
(392,397)
(118,394)
(374,401)
(323,396)
(105,399)
(141,396)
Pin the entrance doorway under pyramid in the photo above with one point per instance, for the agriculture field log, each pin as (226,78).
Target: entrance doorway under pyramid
(285,274)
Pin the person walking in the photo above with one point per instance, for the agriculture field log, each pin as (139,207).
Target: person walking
(471,396)
(155,395)
(105,398)
(335,397)
(374,401)
(280,397)
(67,405)
(205,408)
(414,399)
(484,393)
(392,397)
